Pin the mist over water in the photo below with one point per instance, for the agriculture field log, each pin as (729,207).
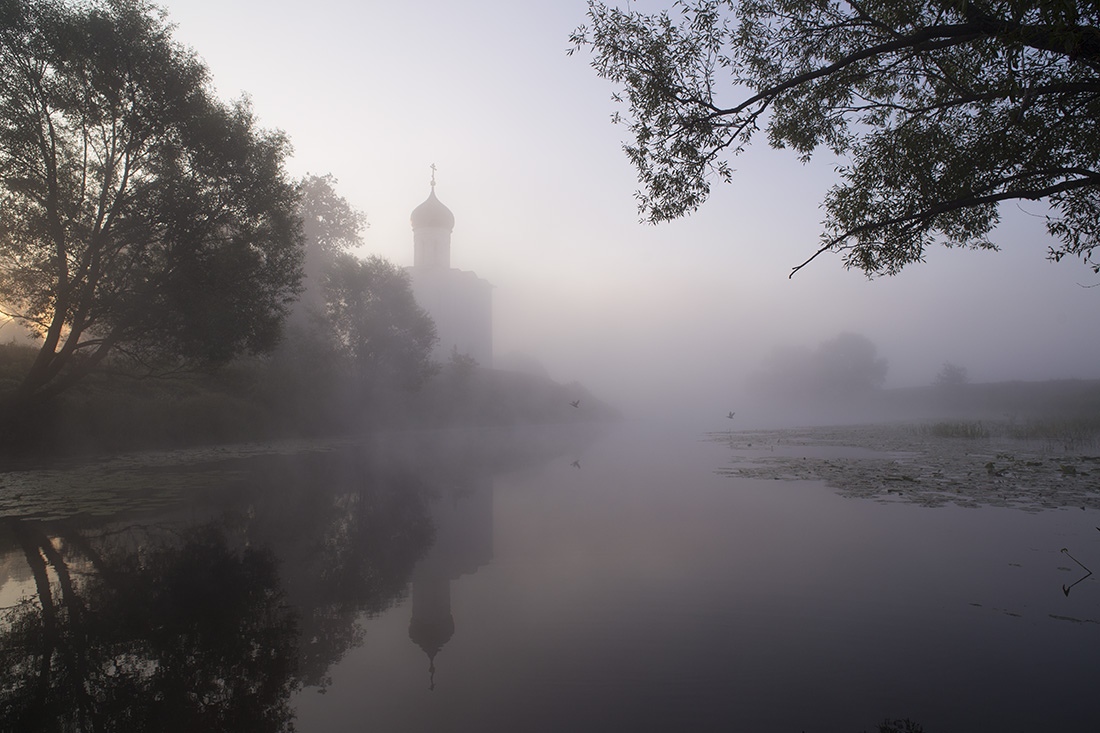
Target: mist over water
(579,578)
(678,491)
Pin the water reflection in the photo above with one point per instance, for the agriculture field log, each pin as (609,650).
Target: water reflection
(180,633)
(435,583)
(209,614)
(1088,573)
(463,519)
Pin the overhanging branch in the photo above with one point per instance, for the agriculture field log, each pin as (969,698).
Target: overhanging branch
(946,207)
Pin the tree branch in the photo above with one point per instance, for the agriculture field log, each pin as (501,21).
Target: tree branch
(947,36)
(1031,194)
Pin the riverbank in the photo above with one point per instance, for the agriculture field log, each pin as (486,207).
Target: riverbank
(261,400)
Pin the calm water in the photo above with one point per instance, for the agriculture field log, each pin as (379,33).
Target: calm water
(555,580)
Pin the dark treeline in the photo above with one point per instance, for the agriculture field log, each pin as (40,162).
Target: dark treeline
(276,396)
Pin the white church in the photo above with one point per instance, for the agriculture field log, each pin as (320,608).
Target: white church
(458,301)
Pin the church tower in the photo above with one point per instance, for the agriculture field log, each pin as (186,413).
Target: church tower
(458,301)
(432,224)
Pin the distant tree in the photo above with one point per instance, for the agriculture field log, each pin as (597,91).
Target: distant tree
(139,215)
(461,365)
(842,367)
(951,375)
(377,322)
(849,363)
(362,310)
(940,110)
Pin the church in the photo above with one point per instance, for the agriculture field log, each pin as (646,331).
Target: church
(458,301)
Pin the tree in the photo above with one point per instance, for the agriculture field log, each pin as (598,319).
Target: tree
(331,226)
(361,310)
(139,215)
(839,369)
(940,110)
(849,364)
(951,375)
(377,322)
(356,331)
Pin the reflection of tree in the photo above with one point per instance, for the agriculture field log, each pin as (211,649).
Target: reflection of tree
(210,619)
(192,635)
(358,562)
(210,627)
(346,527)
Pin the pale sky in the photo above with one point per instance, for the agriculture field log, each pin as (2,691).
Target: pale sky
(530,164)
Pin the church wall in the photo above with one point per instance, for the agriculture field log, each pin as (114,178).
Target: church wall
(460,303)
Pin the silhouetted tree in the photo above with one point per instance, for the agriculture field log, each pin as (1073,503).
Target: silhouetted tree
(139,215)
(845,366)
(377,322)
(849,363)
(331,227)
(951,375)
(357,330)
(461,366)
(940,109)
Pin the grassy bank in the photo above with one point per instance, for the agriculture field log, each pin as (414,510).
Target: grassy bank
(259,399)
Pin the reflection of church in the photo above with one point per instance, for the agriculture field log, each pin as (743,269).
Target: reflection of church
(463,519)
(458,301)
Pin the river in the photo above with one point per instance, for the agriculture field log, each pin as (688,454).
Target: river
(599,578)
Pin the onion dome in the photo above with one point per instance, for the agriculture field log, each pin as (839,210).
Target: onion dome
(432,214)
(430,635)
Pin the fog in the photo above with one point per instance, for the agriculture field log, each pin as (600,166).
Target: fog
(529,563)
(669,320)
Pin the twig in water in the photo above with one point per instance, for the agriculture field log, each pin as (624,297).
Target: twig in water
(1066,588)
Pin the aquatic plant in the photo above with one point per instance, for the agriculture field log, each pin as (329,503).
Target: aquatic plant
(903,725)
(1069,433)
(955,429)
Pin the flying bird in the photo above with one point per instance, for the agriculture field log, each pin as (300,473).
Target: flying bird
(576,403)
(575,464)
(730,416)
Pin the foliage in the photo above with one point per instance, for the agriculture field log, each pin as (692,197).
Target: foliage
(900,725)
(461,365)
(377,322)
(1068,433)
(965,429)
(139,215)
(951,375)
(15,360)
(329,222)
(331,227)
(358,312)
(842,367)
(940,109)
